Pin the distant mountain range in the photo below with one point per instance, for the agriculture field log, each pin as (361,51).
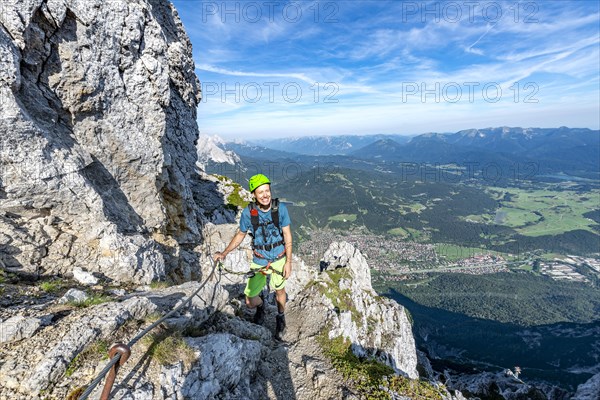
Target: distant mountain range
(569,150)
(328,145)
(574,151)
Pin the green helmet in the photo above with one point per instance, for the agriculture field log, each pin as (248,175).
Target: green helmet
(256,181)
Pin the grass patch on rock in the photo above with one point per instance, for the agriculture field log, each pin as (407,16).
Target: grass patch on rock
(341,298)
(373,379)
(92,300)
(155,285)
(235,200)
(96,351)
(167,347)
(52,286)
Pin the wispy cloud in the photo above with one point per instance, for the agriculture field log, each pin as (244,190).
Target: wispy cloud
(224,71)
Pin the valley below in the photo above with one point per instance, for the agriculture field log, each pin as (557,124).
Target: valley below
(497,270)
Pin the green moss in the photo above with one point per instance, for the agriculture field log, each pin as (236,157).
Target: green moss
(234,199)
(348,364)
(72,367)
(370,377)
(159,284)
(414,388)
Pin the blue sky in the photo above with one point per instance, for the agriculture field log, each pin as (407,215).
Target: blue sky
(295,68)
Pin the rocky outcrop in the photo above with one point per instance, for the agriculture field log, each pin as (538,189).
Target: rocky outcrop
(501,385)
(18,328)
(589,390)
(97,144)
(378,327)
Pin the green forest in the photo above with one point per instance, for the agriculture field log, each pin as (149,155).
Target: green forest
(518,298)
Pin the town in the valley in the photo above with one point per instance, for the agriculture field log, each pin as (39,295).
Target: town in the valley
(398,260)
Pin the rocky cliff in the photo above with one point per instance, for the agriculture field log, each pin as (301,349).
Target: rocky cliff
(98,125)
(376,326)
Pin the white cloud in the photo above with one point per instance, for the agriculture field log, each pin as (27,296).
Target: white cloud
(223,71)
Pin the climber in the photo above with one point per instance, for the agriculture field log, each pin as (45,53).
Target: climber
(268,222)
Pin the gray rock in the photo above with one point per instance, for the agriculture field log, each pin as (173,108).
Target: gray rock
(117,292)
(73,296)
(141,392)
(84,277)
(64,344)
(590,390)
(224,368)
(487,384)
(343,254)
(18,328)
(97,138)
(377,327)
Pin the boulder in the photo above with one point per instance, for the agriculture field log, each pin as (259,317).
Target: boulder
(83,277)
(18,328)
(73,296)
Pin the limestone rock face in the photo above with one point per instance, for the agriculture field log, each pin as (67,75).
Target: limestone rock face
(344,255)
(97,137)
(376,326)
(225,368)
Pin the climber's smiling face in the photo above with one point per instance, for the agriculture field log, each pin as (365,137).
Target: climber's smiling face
(263,196)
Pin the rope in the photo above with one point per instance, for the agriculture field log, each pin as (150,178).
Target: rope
(248,274)
(133,341)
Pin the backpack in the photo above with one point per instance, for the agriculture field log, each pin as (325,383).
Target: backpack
(254,220)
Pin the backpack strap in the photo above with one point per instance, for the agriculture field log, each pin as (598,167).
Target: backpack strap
(253,218)
(275,213)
